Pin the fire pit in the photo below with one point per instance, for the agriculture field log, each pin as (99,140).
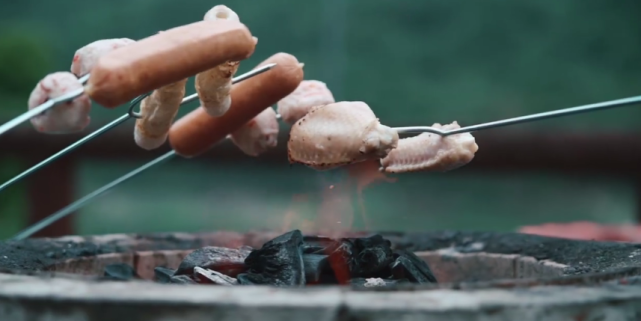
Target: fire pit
(488,276)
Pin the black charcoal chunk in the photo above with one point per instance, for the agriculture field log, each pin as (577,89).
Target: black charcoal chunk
(182,279)
(409,266)
(120,272)
(375,282)
(316,266)
(163,274)
(227,261)
(207,276)
(362,257)
(279,262)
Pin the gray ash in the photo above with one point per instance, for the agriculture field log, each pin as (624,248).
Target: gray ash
(294,260)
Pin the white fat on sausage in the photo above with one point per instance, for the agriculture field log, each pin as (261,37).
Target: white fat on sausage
(339,134)
(86,57)
(70,117)
(431,152)
(214,85)
(158,111)
(310,93)
(258,135)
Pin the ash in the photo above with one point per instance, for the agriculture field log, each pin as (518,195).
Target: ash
(292,260)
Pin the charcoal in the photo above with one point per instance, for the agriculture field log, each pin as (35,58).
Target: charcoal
(316,266)
(279,262)
(163,274)
(316,244)
(207,276)
(227,261)
(120,272)
(375,282)
(362,257)
(182,279)
(409,266)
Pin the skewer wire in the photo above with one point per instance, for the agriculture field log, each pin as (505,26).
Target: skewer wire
(523,119)
(401,130)
(44,107)
(88,198)
(130,114)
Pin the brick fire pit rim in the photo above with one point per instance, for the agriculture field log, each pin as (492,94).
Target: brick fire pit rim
(33,295)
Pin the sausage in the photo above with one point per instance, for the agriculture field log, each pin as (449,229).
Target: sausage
(196,132)
(258,135)
(65,118)
(158,112)
(339,134)
(309,94)
(86,57)
(166,58)
(431,152)
(213,85)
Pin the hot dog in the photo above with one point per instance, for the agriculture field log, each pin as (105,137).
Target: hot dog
(197,131)
(310,93)
(166,58)
(86,57)
(339,134)
(431,152)
(158,112)
(213,85)
(258,135)
(69,117)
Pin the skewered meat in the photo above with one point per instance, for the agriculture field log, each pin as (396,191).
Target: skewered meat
(338,134)
(69,117)
(431,152)
(309,93)
(214,85)
(158,112)
(165,58)
(87,56)
(258,135)
(196,132)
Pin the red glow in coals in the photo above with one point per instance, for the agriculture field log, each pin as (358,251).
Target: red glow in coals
(334,216)
(584,230)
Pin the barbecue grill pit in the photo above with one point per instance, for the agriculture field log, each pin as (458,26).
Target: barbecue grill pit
(489,276)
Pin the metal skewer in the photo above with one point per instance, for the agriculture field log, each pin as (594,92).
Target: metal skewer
(111,125)
(523,119)
(401,130)
(44,107)
(79,203)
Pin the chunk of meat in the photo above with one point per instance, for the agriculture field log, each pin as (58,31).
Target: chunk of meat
(431,152)
(338,134)
(87,56)
(69,117)
(158,112)
(310,93)
(214,85)
(258,135)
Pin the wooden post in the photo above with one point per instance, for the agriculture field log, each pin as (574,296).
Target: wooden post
(48,191)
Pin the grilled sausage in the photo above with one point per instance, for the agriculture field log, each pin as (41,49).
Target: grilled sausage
(196,132)
(86,57)
(166,58)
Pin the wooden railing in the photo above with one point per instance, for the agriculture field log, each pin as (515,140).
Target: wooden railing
(52,188)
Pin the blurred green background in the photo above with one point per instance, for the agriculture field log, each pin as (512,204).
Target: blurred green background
(415,62)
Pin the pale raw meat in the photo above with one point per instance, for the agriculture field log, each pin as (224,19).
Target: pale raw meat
(431,152)
(87,56)
(221,12)
(338,134)
(158,112)
(69,117)
(258,135)
(214,85)
(310,93)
